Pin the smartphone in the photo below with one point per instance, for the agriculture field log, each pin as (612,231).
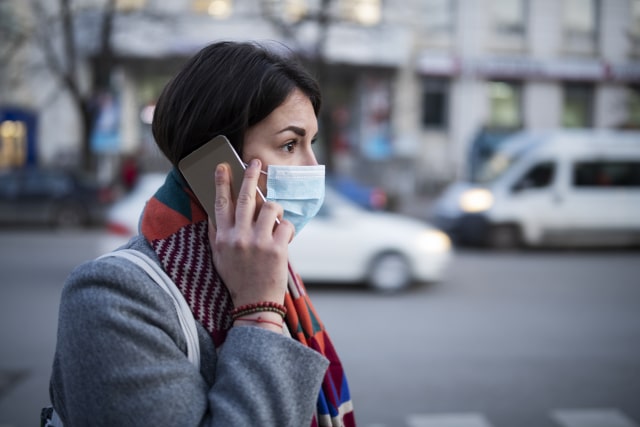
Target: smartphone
(198,169)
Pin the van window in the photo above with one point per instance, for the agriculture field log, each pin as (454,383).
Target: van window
(538,176)
(606,174)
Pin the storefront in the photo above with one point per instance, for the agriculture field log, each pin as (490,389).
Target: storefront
(18,145)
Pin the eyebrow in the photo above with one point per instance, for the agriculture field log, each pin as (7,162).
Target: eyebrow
(295,129)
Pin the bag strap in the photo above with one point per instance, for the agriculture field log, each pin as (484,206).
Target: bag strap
(185,316)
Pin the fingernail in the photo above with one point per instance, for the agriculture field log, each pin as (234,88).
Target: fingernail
(255,163)
(219,169)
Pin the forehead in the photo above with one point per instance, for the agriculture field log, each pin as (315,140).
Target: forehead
(296,108)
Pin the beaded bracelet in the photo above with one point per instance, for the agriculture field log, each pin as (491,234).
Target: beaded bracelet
(258,320)
(259,307)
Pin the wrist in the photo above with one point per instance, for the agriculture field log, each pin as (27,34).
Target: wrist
(265,320)
(258,307)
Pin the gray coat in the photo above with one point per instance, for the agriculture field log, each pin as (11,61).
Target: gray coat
(121,360)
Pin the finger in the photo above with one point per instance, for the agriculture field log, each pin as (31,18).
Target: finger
(246,203)
(224,205)
(211,233)
(284,232)
(269,214)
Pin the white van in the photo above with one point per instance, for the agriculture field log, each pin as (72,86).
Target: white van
(559,188)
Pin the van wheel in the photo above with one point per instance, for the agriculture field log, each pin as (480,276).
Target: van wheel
(504,237)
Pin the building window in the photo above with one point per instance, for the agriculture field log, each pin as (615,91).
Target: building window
(435,103)
(363,12)
(219,9)
(13,143)
(634,28)
(578,105)
(509,16)
(635,17)
(509,24)
(129,5)
(633,107)
(581,25)
(505,103)
(438,20)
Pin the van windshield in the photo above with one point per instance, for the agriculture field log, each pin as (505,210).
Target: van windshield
(505,157)
(495,167)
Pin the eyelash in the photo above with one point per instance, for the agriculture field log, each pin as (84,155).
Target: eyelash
(291,145)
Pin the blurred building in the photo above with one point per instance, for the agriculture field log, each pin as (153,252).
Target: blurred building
(409,85)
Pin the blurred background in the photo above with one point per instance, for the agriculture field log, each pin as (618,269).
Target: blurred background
(483,163)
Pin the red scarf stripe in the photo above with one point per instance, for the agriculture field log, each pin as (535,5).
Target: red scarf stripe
(199,276)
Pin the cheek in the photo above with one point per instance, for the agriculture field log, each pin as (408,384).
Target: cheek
(262,184)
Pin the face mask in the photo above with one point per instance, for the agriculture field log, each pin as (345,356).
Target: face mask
(298,189)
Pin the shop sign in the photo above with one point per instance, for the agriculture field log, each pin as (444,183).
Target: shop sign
(524,68)
(625,73)
(434,64)
(105,136)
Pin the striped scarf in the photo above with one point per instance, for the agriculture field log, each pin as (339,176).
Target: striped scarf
(175,224)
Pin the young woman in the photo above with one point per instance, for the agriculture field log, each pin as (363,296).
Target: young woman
(265,357)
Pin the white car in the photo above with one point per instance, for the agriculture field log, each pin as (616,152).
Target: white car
(344,244)
(348,244)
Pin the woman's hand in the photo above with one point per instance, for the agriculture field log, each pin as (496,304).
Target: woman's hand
(249,252)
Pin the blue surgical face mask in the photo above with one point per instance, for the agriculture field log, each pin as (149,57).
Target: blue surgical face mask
(298,189)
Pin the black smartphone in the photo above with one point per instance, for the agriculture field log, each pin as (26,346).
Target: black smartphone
(198,169)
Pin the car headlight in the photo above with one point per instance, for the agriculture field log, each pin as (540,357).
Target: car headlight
(434,241)
(476,200)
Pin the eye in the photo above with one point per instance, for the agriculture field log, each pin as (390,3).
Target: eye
(290,146)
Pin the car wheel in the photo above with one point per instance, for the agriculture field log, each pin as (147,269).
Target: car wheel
(69,215)
(504,237)
(389,272)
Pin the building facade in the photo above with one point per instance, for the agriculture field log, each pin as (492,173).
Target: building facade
(409,86)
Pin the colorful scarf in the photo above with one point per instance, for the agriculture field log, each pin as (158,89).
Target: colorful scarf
(175,224)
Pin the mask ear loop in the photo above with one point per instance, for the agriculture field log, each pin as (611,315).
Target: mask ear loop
(264,199)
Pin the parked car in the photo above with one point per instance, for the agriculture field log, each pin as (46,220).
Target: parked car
(344,244)
(51,197)
(560,188)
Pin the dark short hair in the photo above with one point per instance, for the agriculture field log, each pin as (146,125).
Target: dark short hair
(225,89)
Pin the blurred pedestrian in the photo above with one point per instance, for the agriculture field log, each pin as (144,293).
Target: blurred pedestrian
(265,357)
(129,173)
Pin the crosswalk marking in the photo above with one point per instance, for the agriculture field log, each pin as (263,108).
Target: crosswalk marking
(448,420)
(586,417)
(591,418)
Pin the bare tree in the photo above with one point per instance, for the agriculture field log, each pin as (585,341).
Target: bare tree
(63,62)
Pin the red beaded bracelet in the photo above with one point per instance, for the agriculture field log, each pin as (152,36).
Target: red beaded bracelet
(259,320)
(257,308)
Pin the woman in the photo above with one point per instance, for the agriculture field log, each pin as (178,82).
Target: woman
(265,357)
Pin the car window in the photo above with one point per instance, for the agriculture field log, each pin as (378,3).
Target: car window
(8,185)
(606,173)
(538,176)
(39,182)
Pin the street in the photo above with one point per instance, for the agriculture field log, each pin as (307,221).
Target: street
(521,339)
